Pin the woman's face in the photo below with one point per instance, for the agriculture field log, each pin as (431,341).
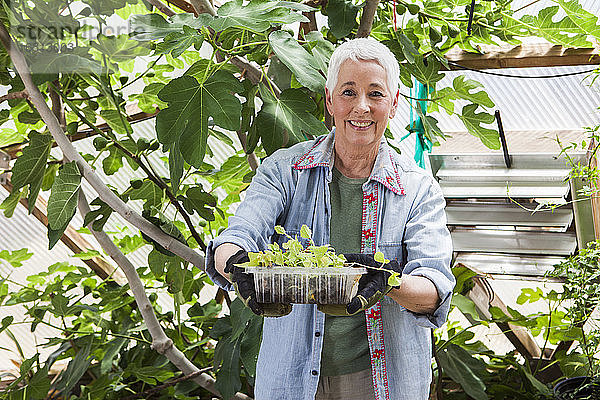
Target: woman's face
(361,105)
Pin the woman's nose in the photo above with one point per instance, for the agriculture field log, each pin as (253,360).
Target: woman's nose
(362,104)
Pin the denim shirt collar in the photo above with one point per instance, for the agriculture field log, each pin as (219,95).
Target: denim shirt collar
(385,170)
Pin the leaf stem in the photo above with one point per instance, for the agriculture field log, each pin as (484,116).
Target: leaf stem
(71,331)
(264,75)
(152,64)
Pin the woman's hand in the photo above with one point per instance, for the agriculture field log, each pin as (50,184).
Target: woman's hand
(244,288)
(372,286)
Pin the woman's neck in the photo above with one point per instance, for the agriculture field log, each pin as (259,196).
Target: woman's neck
(355,164)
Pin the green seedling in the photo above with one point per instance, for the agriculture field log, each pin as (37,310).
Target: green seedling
(293,254)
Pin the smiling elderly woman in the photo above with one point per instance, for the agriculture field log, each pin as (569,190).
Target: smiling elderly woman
(361,197)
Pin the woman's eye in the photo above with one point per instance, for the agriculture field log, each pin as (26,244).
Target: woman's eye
(348,92)
(376,93)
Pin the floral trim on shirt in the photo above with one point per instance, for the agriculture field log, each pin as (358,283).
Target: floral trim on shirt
(373,314)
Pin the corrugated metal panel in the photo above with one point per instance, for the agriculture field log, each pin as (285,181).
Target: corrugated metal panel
(486,176)
(514,242)
(529,107)
(501,265)
(507,214)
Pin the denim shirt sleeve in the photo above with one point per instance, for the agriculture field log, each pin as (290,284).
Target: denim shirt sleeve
(429,249)
(254,221)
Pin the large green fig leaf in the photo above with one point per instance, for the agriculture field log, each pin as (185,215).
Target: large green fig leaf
(473,121)
(585,20)
(154,26)
(426,71)
(321,49)
(303,64)
(341,15)
(63,196)
(191,103)
(29,168)
(113,162)
(176,42)
(196,200)
(564,32)
(149,192)
(257,15)
(120,48)
(286,121)
(464,87)
(16,257)
(464,369)
(98,216)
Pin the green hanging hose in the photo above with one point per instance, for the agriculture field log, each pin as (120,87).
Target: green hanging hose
(422,143)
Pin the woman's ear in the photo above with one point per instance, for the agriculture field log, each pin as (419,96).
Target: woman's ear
(394,104)
(328,102)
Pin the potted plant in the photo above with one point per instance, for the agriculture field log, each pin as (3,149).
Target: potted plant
(297,273)
(580,296)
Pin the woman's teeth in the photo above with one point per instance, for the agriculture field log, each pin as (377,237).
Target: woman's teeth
(361,124)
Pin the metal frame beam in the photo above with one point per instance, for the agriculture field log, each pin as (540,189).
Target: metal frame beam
(483,296)
(524,56)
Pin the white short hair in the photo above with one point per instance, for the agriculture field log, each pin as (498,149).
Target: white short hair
(366,49)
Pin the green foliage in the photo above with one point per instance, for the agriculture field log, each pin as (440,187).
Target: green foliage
(303,64)
(293,253)
(286,120)
(473,121)
(239,337)
(257,16)
(341,15)
(103,336)
(207,102)
(15,258)
(191,102)
(580,297)
(63,201)
(30,167)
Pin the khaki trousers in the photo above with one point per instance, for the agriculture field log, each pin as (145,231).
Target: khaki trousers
(355,386)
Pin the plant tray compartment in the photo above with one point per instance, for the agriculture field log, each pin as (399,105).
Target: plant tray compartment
(329,285)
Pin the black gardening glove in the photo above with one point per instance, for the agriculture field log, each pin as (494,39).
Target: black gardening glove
(372,286)
(244,288)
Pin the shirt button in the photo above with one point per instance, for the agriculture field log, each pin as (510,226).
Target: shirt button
(317,334)
(315,372)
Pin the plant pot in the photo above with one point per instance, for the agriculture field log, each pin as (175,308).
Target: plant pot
(299,285)
(578,388)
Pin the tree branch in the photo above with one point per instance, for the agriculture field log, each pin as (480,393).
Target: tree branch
(147,393)
(162,7)
(57,106)
(203,6)
(14,95)
(366,21)
(160,341)
(71,154)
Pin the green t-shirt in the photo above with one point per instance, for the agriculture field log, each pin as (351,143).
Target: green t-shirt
(345,345)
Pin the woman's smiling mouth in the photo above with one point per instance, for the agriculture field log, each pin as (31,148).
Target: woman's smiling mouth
(360,124)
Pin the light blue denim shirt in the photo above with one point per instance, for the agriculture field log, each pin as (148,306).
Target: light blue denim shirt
(403,204)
